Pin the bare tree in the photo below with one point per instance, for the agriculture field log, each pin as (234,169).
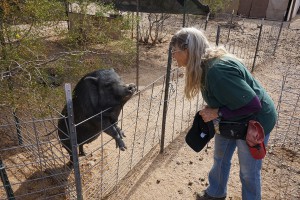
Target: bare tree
(153,33)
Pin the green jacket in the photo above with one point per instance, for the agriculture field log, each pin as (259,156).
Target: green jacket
(228,83)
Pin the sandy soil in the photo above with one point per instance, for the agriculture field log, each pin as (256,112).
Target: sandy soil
(179,173)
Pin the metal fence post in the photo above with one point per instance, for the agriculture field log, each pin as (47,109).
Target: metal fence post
(230,25)
(281,25)
(137,59)
(166,99)
(73,140)
(37,144)
(257,44)
(17,124)
(184,13)
(6,183)
(218,35)
(206,21)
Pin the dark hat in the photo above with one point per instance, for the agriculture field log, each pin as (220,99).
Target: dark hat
(255,140)
(200,133)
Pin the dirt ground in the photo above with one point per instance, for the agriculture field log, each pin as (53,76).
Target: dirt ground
(180,173)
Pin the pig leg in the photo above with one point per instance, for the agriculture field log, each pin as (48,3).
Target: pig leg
(113,131)
(70,163)
(81,151)
(121,133)
(66,144)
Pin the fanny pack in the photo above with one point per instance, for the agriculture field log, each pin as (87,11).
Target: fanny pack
(251,131)
(233,130)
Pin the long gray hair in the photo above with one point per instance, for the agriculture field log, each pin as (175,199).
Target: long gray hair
(199,50)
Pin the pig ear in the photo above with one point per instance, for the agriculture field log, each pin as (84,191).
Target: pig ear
(91,78)
(92,82)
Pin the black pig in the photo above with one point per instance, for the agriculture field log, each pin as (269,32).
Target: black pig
(95,92)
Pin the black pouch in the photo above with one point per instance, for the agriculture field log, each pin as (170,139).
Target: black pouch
(233,130)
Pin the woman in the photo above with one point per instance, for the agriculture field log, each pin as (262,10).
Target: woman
(232,94)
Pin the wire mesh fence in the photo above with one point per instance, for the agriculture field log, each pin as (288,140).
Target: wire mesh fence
(33,161)
(284,143)
(34,165)
(256,45)
(103,166)
(282,81)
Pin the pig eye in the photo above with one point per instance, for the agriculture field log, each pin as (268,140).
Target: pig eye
(109,84)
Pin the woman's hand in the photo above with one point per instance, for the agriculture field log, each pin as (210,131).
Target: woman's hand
(209,114)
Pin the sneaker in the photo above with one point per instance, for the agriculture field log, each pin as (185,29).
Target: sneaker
(204,196)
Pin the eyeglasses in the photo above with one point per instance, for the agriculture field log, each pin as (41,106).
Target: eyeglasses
(174,50)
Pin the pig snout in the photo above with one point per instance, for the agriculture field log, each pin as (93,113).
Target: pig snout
(132,88)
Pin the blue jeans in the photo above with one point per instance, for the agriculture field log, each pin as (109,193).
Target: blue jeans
(250,169)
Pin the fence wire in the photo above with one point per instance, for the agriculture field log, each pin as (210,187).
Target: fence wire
(34,163)
(42,153)
(33,160)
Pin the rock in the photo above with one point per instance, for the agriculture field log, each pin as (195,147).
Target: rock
(202,179)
